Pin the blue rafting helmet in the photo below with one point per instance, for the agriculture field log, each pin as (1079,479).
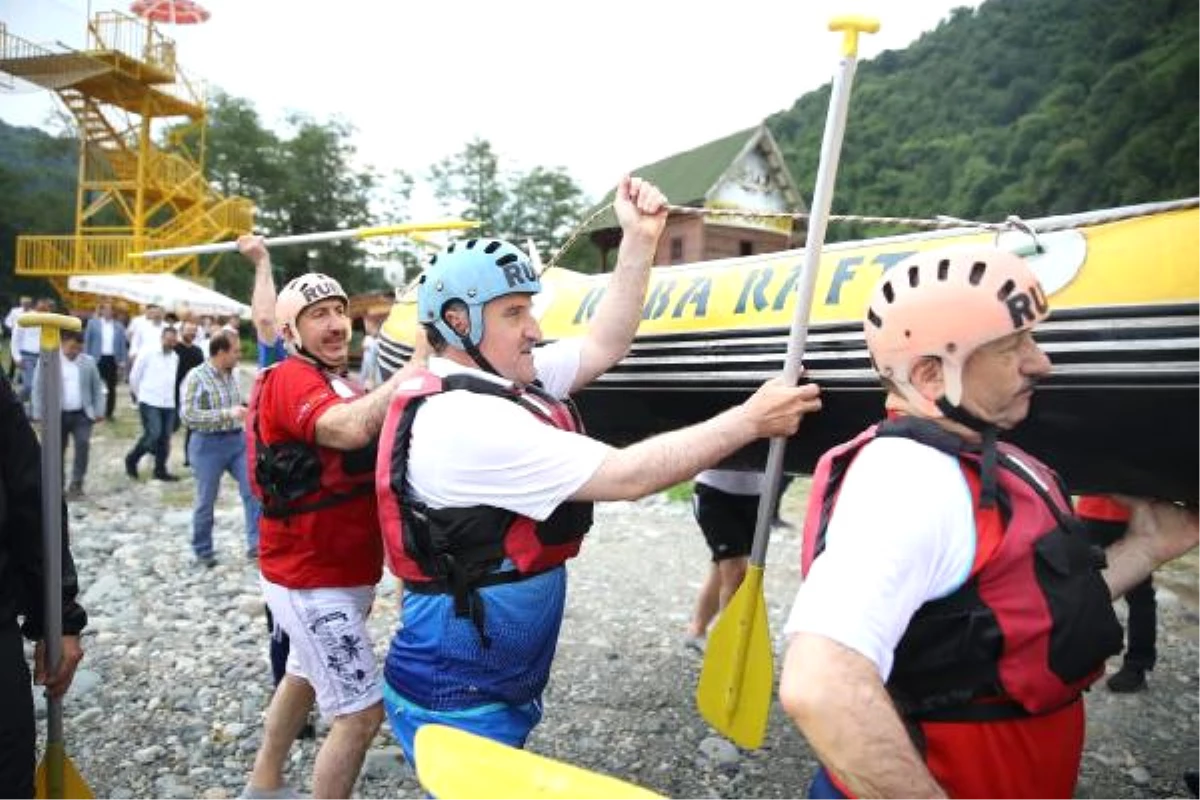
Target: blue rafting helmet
(473,272)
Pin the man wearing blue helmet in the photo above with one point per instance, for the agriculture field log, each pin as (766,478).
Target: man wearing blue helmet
(485,479)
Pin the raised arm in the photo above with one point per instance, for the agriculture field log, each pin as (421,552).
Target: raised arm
(262,299)
(836,698)
(642,211)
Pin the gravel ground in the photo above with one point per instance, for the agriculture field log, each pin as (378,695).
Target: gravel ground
(169,699)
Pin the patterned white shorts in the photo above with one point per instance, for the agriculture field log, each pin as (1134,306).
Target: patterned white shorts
(330,645)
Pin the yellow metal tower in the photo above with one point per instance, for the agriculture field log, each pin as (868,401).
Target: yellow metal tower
(133,194)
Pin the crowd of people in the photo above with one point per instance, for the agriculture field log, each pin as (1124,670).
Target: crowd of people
(953,608)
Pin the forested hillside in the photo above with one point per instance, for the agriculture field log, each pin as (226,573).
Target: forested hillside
(1020,106)
(37,194)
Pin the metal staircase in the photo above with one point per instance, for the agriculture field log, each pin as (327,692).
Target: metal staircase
(134,194)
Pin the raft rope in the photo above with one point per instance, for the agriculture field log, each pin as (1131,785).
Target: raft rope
(942,221)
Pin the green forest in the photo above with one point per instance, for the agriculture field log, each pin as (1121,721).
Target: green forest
(1028,107)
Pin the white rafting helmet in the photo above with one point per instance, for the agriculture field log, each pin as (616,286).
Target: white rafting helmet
(299,294)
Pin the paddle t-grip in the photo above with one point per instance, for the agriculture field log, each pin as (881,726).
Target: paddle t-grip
(51,324)
(851,26)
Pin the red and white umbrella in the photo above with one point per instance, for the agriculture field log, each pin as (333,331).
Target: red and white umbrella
(173,12)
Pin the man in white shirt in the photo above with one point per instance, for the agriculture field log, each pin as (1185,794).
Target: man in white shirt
(494,479)
(104,340)
(952,613)
(153,382)
(145,331)
(82,405)
(10,327)
(27,343)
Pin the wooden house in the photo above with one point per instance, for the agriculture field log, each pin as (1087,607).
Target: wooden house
(744,170)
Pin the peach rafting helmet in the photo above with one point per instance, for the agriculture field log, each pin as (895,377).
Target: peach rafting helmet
(946,304)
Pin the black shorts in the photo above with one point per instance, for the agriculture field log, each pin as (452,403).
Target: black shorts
(727,520)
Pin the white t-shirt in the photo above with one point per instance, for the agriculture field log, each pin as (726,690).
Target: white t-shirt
(28,340)
(153,377)
(902,533)
(144,334)
(733,481)
(72,396)
(10,321)
(473,449)
(107,330)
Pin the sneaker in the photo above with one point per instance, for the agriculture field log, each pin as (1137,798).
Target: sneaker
(1127,679)
(693,643)
(131,467)
(252,554)
(208,562)
(166,477)
(75,494)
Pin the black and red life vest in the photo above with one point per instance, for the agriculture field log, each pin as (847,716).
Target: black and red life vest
(1031,627)
(291,478)
(458,551)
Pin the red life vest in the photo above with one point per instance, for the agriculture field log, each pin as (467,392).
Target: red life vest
(1031,627)
(290,478)
(457,551)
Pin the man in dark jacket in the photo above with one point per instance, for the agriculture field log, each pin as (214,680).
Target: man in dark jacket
(22,598)
(190,357)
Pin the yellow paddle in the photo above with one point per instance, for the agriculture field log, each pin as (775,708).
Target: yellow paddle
(56,775)
(737,678)
(403,229)
(453,763)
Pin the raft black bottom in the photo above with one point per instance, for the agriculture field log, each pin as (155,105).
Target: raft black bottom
(1113,439)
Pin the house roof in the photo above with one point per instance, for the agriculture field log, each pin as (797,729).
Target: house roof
(685,178)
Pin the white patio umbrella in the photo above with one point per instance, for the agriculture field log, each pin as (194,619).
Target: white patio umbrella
(164,289)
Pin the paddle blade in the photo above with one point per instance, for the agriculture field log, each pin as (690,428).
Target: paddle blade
(452,763)
(57,777)
(738,676)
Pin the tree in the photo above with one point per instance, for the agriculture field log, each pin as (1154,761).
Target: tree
(243,158)
(468,184)
(544,205)
(406,253)
(304,182)
(37,197)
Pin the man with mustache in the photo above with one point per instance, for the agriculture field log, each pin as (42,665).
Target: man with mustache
(270,350)
(487,480)
(953,611)
(311,434)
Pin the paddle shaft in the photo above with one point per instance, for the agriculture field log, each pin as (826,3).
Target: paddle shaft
(831,147)
(312,238)
(50,375)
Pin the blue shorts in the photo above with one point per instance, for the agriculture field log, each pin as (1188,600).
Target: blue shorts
(499,722)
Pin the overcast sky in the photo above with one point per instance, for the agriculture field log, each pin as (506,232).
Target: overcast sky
(594,88)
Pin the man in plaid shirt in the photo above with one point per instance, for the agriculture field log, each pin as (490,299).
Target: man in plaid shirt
(212,406)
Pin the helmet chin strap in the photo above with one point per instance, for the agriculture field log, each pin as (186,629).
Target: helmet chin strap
(477,356)
(471,349)
(988,450)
